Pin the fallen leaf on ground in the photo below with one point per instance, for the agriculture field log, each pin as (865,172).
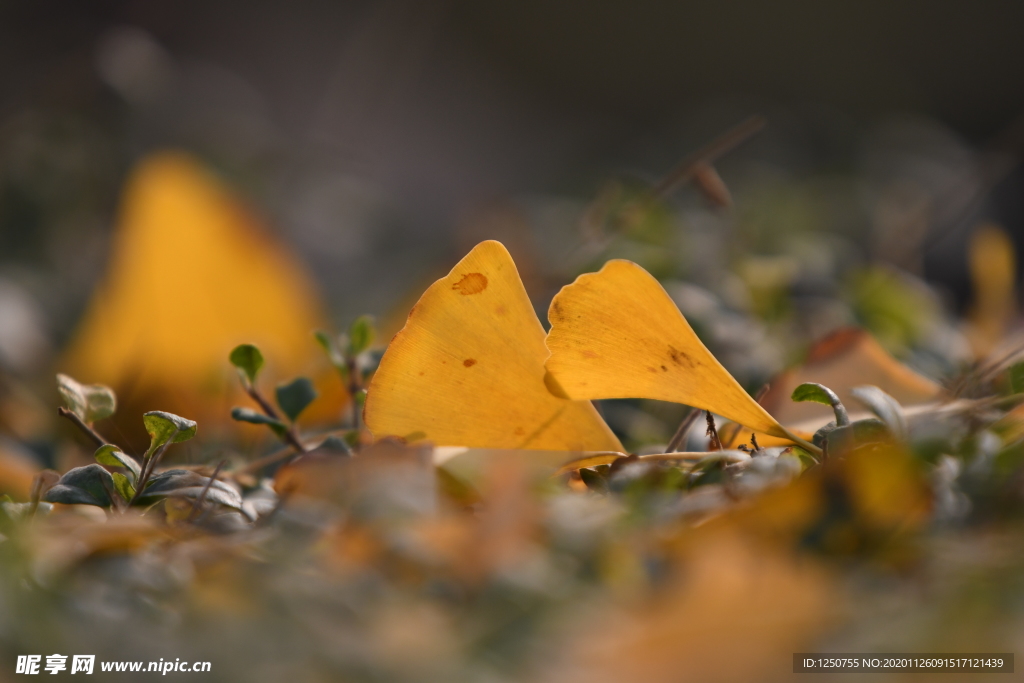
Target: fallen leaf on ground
(617,334)
(468,369)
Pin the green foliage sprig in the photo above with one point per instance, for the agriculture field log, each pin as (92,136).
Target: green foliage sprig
(292,397)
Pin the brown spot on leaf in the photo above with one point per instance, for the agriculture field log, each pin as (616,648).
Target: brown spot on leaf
(678,357)
(650,369)
(519,431)
(500,310)
(469,362)
(471,283)
(664,369)
(589,354)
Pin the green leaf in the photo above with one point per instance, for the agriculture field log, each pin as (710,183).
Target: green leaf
(360,335)
(819,436)
(123,487)
(248,359)
(1017,378)
(884,406)
(163,427)
(110,454)
(806,459)
(186,484)
(295,396)
(251,416)
(90,402)
(819,393)
(330,348)
(89,485)
(336,445)
(351,437)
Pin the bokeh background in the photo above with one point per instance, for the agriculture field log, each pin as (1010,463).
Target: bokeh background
(374,135)
(181,176)
(376,142)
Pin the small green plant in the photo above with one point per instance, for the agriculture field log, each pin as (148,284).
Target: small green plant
(842,435)
(118,481)
(350,355)
(292,397)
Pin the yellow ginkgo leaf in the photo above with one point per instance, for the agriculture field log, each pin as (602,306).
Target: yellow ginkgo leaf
(191,275)
(468,369)
(617,334)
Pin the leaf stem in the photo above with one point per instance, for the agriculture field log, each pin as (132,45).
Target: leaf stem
(149,463)
(682,430)
(206,489)
(81,424)
(355,384)
(37,494)
(290,437)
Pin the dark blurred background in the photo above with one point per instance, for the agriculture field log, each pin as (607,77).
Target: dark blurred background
(381,139)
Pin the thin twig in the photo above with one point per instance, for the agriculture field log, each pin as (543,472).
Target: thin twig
(37,493)
(86,429)
(729,432)
(707,154)
(716,443)
(682,430)
(206,489)
(683,173)
(266,460)
(354,386)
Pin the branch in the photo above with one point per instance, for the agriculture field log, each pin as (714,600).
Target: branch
(682,431)
(689,166)
(206,489)
(290,437)
(86,429)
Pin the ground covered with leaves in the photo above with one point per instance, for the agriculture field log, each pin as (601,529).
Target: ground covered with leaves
(677,479)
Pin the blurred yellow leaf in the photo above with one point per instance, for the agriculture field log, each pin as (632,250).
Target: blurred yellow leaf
(617,334)
(736,612)
(992,261)
(845,359)
(191,275)
(468,368)
(17,472)
(887,488)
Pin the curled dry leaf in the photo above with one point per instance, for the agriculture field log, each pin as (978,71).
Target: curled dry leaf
(468,369)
